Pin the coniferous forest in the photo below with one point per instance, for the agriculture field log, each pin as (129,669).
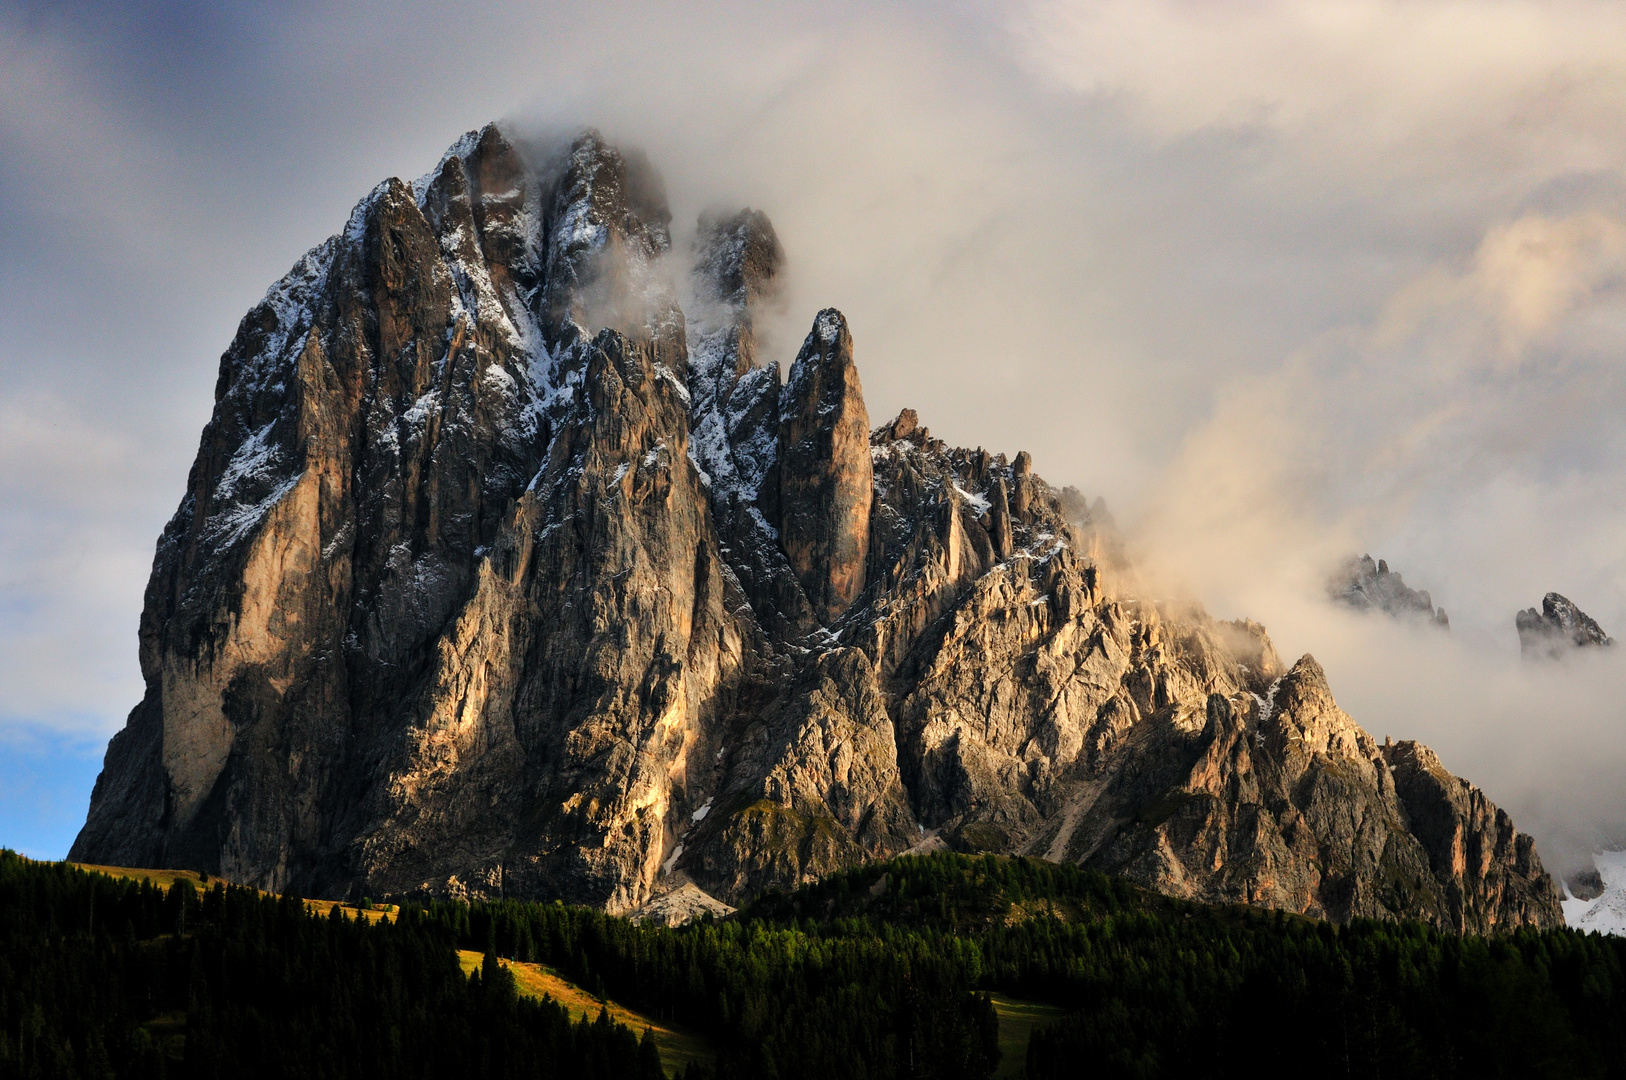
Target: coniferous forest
(884,971)
(101,977)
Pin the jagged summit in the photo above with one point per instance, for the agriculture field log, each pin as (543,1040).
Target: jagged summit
(1369,586)
(1557,629)
(738,259)
(501,572)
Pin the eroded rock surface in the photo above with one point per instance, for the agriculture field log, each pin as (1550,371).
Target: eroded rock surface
(1372,586)
(1557,630)
(502,571)
(825,484)
(684,904)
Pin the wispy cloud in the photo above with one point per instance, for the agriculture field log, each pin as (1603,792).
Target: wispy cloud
(1281,279)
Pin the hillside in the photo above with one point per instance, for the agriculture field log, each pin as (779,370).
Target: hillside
(895,969)
(678,1047)
(109,977)
(940,966)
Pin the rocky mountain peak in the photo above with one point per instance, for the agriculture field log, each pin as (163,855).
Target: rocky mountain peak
(1248,642)
(735,278)
(500,572)
(605,226)
(1595,898)
(1482,864)
(1369,586)
(905,427)
(738,260)
(825,476)
(1557,629)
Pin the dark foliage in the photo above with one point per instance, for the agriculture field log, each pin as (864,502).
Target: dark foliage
(880,972)
(876,972)
(101,977)
(1162,998)
(1167,988)
(777,1002)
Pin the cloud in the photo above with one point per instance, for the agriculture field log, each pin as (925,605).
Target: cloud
(1468,432)
(1530,279)
(1348,77)
(1281,280)
(70,548)
(1478,399)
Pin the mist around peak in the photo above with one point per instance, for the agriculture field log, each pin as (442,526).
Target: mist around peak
(1275,313)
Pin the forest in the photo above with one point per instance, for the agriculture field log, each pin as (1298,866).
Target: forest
(884,971)
(103,977)
(880,972)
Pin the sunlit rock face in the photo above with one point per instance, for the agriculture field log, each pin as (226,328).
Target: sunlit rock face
(511,565)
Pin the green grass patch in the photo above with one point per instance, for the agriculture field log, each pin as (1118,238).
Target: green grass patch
(678,1046)
(1017,1019)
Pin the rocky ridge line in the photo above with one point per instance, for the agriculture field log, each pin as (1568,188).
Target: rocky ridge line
(1368,586)
(501,573)
(1557,630)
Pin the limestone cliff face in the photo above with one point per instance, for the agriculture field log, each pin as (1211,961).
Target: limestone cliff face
(443,606)
(825,484)
(502,570)
(1484,865)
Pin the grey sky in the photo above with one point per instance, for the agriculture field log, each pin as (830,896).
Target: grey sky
(1280,279)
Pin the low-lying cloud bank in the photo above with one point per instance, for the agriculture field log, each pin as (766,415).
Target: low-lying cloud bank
(1468,431)
(1283,281)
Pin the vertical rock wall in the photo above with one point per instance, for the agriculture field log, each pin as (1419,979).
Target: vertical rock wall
(503,572)
(825,480)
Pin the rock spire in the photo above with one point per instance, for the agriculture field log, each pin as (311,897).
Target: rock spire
(1558,629)
(1369,586)
(509,566)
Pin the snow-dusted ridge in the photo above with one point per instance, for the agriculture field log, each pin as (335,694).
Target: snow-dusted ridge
(445,607)
(1605,913)
(543,366)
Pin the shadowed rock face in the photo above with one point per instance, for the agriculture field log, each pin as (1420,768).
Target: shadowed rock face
(1484,864)
(1369,586)
(1557,630)
(500,573)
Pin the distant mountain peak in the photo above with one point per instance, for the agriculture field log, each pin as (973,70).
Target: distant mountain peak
(1557,629)
(1372,586)
(1597,901)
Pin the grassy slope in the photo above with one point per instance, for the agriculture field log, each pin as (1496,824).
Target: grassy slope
(166,878)
(1017,1019)
(163,878)
(678,1046)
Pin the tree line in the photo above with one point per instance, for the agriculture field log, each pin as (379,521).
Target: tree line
(884,971)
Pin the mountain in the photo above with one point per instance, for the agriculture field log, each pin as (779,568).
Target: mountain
(1596,900)
(1557,629)
(1368,586)
(510,567)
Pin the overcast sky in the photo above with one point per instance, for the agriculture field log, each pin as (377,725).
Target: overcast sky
(1280,280)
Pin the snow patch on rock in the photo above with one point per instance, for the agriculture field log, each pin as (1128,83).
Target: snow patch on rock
(1605,913)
